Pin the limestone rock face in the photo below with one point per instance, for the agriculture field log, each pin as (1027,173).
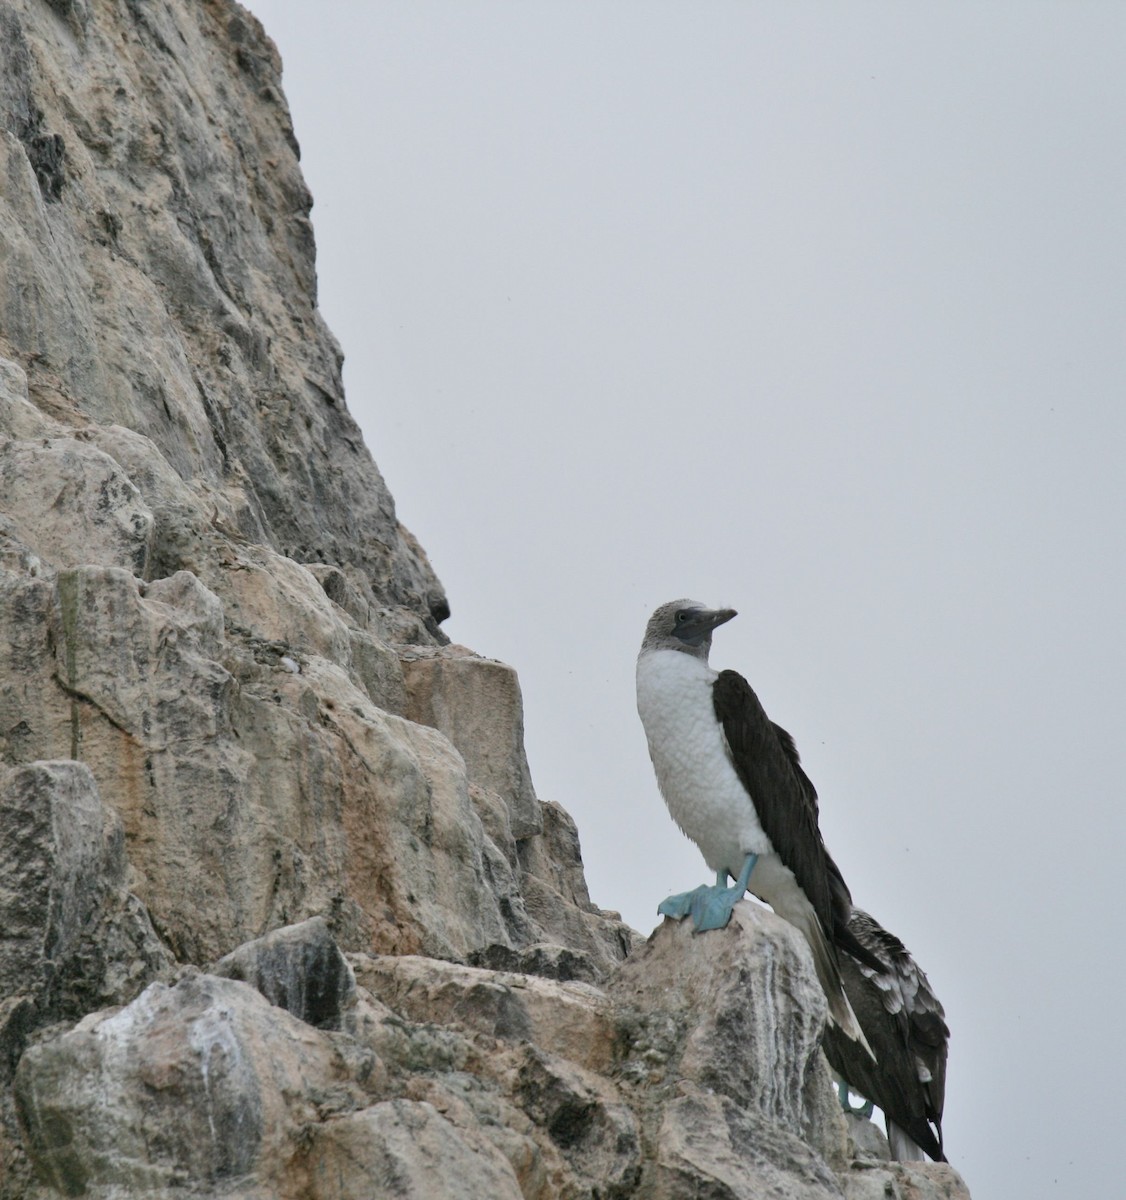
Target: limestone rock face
(76,503)
(225,712)
(72,937)
(160,272)
(448,1082)
(281,914)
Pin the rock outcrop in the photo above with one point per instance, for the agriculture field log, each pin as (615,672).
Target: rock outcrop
(282,912)
(695,1070)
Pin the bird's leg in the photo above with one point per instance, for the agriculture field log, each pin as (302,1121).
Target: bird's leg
(710,906)
(860,1110)
(745,874)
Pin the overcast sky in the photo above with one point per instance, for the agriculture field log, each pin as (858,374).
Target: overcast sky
(818,311)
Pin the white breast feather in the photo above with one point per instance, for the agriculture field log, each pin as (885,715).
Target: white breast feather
(694,773)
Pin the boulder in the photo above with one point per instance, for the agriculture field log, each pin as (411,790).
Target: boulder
(299,968)
(738,1013)
(72,936)
(440,1080)
(200,1087)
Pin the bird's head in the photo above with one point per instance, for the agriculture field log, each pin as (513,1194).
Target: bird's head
(684,625)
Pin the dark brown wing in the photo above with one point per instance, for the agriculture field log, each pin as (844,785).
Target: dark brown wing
(766,761)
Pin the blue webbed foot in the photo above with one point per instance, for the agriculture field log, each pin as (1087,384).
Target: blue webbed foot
(680,905)
(709,905)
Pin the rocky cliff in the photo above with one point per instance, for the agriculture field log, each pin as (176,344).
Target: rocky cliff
(280,911)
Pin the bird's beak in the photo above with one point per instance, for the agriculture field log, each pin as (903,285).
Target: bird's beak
(697,630)
(718,616)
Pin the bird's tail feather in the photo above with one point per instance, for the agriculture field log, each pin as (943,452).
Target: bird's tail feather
(825,964)
(841,1014)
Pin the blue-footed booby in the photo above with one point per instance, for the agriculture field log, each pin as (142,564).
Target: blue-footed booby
(905,1026)
(734,784)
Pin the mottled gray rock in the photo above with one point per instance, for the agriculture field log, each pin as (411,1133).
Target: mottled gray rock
(35,720)
(737,1011)
(257,783)
(476,703)
(445,1081)
(299,968)
(72,938)
(76,505)
(151,712)
(571,1020)
(202,1087)
(481,1110)
(202,578)
(710,1146)
(136,652)
(404,1150)
(585,1117)
(866,1139)
(19,418)
(555,894)
(904,1181)
(822,1125)
(544,958)
(378,669)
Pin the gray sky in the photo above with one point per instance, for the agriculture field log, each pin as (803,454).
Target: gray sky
(818,311)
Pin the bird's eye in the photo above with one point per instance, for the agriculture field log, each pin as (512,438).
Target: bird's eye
(682,616)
